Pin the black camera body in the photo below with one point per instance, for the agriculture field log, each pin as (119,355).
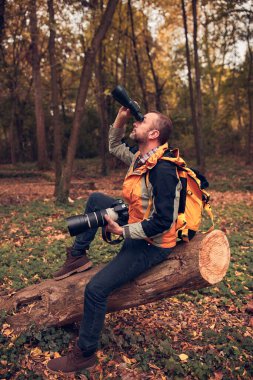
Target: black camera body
(81,223)
(119,93)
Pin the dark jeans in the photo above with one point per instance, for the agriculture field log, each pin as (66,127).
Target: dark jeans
(134,258)
(96,201)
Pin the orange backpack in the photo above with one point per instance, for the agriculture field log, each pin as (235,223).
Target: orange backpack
(194,200)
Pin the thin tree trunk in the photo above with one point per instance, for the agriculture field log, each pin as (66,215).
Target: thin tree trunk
(2,19)
(137,61)
(88,63)
(125,57)
(192,103)
(38,97)
(223,50)
(55,97)
(198,87)
(214,100)
(250,101)
(13,132)
(61,94)
(102,112)
(118,45)
(158,88)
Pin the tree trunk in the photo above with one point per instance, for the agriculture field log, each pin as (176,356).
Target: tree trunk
(202,262)
(250,101)
(55,97)
(214,98)
(2,20)
(192,104)
(89,59)
(13,133)
(137,61)
(198,88)
(38,97)
(158,88)
(102,110)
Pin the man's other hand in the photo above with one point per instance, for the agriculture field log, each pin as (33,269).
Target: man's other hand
(122,117)
(113,227)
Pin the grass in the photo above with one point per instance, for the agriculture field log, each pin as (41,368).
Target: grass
(210,326)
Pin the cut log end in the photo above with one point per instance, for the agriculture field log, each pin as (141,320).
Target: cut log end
(214,257)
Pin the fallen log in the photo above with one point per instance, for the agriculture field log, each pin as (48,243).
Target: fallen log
(202,262)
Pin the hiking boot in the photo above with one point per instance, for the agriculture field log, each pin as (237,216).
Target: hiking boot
(73,264)
(72,362)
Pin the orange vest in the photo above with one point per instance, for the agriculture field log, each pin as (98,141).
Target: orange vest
(139,199)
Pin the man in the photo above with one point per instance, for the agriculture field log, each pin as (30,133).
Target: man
(151,189)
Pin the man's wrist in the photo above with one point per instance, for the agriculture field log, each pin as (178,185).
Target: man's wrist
(119,123)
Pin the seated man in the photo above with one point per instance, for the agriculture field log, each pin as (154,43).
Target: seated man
(149,235)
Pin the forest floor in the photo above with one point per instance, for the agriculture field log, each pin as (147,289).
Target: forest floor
(206,334)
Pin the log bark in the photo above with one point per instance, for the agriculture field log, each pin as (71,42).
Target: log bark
(202,262)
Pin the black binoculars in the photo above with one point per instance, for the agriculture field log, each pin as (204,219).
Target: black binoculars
(120,94)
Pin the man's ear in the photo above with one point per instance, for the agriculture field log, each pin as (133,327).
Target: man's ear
(154,134)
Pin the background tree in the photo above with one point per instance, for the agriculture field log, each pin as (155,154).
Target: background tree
(89,59)
(37,86)
(55,96)
(199,107)
(192,102)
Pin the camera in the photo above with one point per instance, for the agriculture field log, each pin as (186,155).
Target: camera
(119,93)
(81,223)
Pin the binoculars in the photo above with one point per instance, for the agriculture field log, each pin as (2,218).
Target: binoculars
(121,96)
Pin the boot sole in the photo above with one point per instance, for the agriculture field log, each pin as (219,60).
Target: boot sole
(77,270)
(69,373)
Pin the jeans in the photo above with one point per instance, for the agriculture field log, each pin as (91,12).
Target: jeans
(134,258)
(96,201)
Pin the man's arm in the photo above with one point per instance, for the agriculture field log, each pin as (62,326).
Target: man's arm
(116,133)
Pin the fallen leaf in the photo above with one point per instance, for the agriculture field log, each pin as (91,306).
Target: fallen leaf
(183,357)
(127,360)
(217,376)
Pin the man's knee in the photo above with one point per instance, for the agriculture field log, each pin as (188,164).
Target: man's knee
(93,201)
(94,291)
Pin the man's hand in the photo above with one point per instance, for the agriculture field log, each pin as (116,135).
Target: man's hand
(122,117)
(113,227)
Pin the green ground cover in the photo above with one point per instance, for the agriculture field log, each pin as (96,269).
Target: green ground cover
(205,334)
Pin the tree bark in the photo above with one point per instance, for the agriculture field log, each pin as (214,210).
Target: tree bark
(89,60)
(102,110)
(250,100)
(137,61)
(202,262)
(55,97)
(38,97)
(192,103)
(158,86)
(198,88)
(2,20)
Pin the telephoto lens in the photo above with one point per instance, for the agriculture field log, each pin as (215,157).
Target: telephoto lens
(119,93)
(81,223)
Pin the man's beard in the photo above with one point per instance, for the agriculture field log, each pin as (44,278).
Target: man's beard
(137,139)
